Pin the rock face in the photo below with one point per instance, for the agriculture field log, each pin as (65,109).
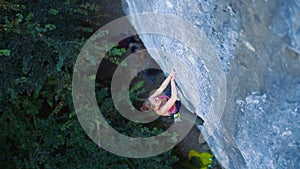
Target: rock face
(257,43)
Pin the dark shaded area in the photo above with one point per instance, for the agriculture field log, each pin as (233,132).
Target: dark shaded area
(40,41)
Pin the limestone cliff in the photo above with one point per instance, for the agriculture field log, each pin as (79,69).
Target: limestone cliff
(257,46)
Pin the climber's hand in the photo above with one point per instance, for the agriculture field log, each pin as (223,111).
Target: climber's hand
(173,77)
(173,72)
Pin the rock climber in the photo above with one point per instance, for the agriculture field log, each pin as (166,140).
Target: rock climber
(164,104)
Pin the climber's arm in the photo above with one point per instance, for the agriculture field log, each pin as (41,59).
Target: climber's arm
(174,93)
(164,110)
(164,84)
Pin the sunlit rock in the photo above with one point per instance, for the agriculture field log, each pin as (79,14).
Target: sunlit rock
(257,45)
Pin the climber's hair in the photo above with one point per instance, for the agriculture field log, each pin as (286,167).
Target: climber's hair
(147,106)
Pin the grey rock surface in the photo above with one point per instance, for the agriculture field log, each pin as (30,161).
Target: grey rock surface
(257,44)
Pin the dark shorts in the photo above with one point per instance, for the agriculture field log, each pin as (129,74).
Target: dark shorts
(178,105)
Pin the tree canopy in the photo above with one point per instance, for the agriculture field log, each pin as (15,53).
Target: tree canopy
(39,43)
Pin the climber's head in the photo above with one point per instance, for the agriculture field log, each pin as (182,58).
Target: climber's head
(151,104)
(147,106)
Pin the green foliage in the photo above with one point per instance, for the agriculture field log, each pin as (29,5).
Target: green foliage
(40,41)
(53,11)
(137,90)
(133,129)
(5,52)
(114,54)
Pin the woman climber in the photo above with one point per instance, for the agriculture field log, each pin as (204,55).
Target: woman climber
(164,105)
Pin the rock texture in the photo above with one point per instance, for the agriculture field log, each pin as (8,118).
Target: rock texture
(257,43)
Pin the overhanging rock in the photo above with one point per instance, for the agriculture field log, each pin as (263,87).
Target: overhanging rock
(257,47)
